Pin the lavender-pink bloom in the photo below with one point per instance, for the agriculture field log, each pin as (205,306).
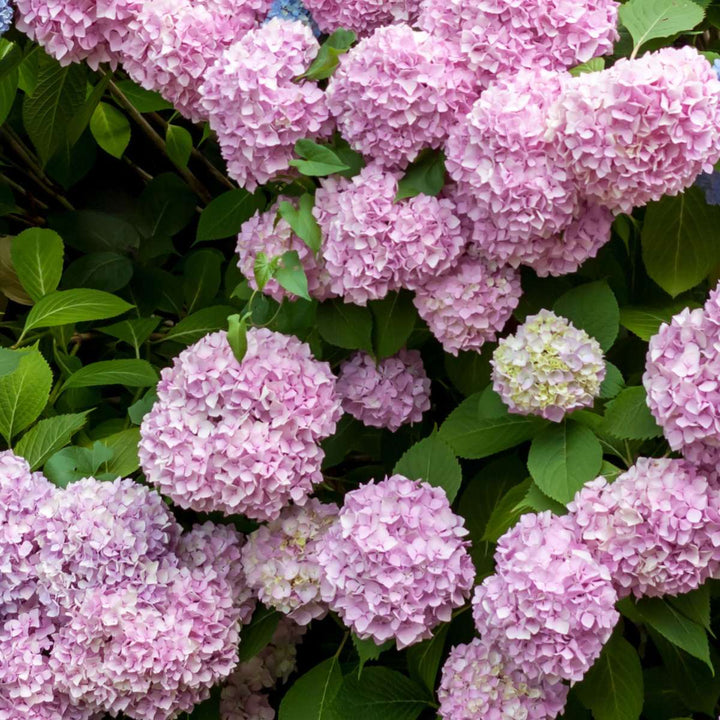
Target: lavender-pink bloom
(255,106)
(642,129)
(385,394)
(361,16)
(479,682)
(397,92)
(550,607)
(395,561)
(240,437)
(655,528)
(468,305)
(280,560)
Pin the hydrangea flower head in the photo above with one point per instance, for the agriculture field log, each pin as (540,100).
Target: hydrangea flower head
(6,16)
(397,92)
(655,528)
(551,605)
(361,16)
(507,171)
(395,561)
(642,129)
(240,437)
(468,305)
(497,38)
(256,108)
(709,183)
(265,232)
(293,10)
(280,560)
(479,682)
(386,394)
(548,367)
(373,244)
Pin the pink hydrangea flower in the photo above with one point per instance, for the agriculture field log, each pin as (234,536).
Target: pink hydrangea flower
(385,394)
(508,173)
(256,108)
(655,528)
(479,682)
(267,233)
(397,92)
(395,561)
(240,437)
(498,37)
(280,560)
(361,16)
(548,367)
(550,607)
(77,30)
(642,129)
(468,305)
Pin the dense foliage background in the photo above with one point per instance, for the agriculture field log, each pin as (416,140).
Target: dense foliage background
(118,250)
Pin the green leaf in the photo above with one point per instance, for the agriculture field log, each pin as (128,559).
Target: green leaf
(9,360)
(311,695)
(131,373)
(179,145)
(628,417)
(594,65)
(199,324)
(111,129)
(37,256)
(100,271)
(645,321)
(124,447)
(379,694)
(650,19)
(24,393)
(345,326)
(63,307)
(82,118)
(318,160)
(92,231)
(592,308)
(291,275)
(563,458)
(47,437)
(302,221)
(11,56)
(678,239)
(329,54)
(135,332)
(613,688)
(425,176)
(202,278)
(258,633)
(368,650)
(694,605)
(138,410)
(225,215)
(507,511)
(395,318)
(676,627)
(144,101)
(433,461)
(237,336)
(537,501)
(8,92)
(474,433)
(424,658)
(49,110)
(167,205)
(613,382)
(75,463)
(470,372)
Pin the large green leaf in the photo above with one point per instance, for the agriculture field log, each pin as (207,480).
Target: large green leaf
(134,332)
(563,458)
(317,160)
(613,688)
(123,446)
(225,215)
(131,373)
(37,256)
(63,307)
(368,649)
(47,437)
(108,271)
(312,695)
(111,129)
(679,245)
(346,326)
(179,144)
(433,461)
(646,320)
(24,393)
(592,308)
(201,281)
(650,19)
(425,176)
(195,326)
(258,632)
(302,221)
(395,318)
(424,658)
(507,511)
(628,416)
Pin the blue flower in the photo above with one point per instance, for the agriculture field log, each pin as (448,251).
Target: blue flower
(6,16)
(716,68)
(291,10)
(710,184)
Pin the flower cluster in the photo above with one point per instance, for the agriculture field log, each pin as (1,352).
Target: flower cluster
(655,528)
(479,682)
(280,560)
(6,16)
(551,605)
(240,437)
(292,10)
(105,606)
(548,367)
(709,183)
(386,394)
(395,563)
(361,16)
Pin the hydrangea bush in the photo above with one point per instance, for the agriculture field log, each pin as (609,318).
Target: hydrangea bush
(359,359)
